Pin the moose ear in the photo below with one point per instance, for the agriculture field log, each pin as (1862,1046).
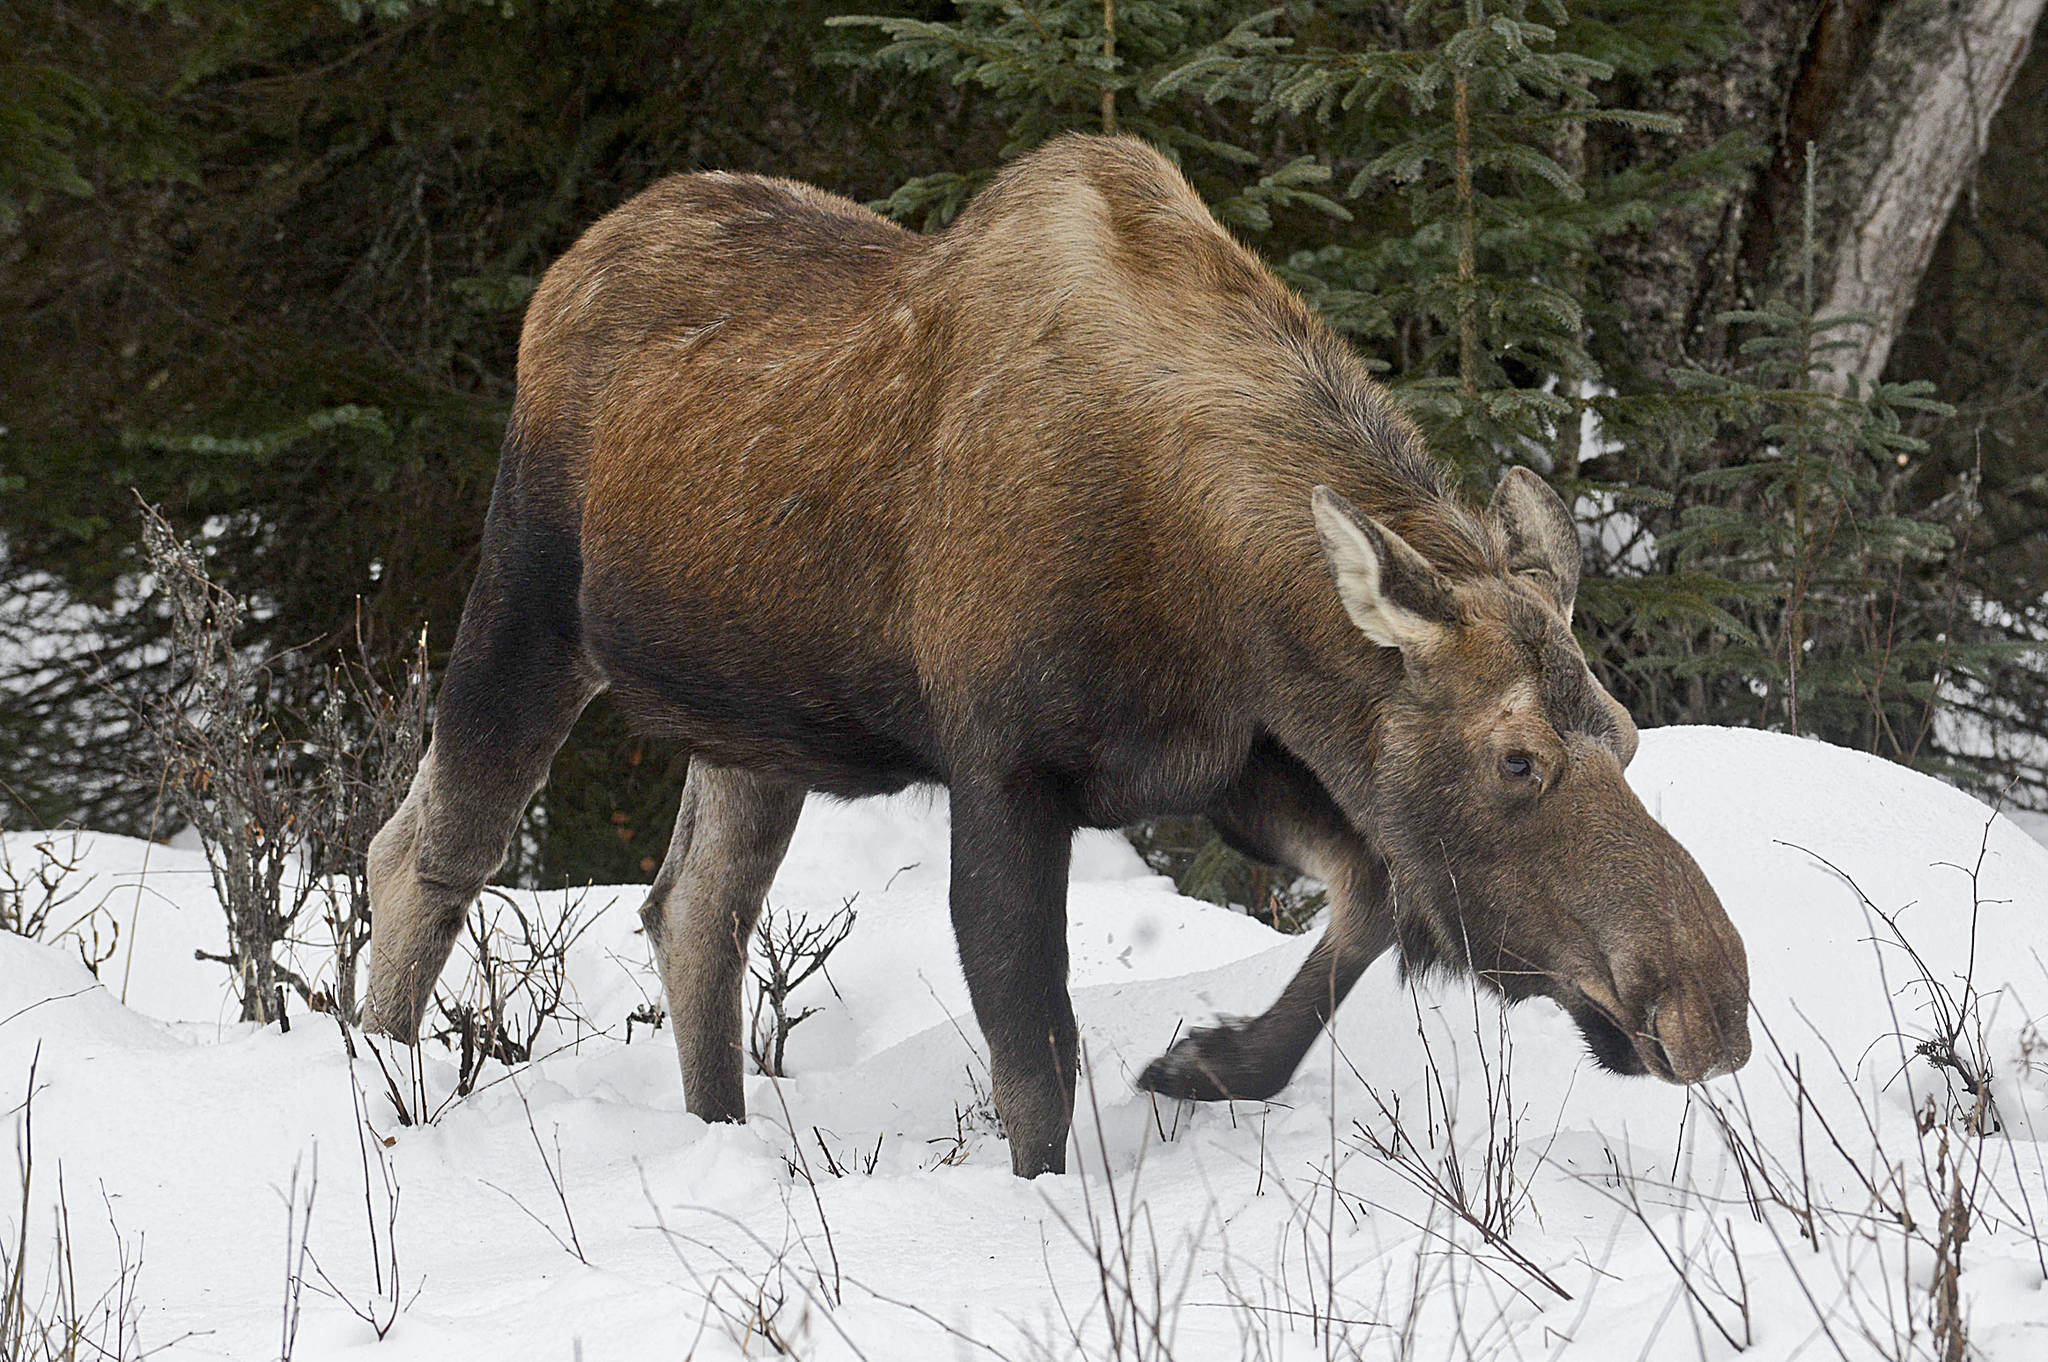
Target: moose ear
(1390,591)
(1542,540)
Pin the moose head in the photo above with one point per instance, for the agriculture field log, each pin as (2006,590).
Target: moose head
(1516,848)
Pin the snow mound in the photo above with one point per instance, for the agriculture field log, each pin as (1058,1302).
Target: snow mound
(1442,1178)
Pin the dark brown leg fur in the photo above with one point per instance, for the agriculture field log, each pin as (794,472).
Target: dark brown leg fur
(1277,813)
(1009,902)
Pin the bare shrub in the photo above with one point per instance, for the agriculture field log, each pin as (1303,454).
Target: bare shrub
(383,1300)
(227,771)
(1952,1037)
(366,739)
(648,1013)
(755,1307)
(1708,1265)
(977,1117)
(1136,1286)
(516,985)
(1951,1338)
(1485,1193)
(46,901)
(404,1071)
(788,949)
(555,1169)
(846,1162)
(1882,1267)
(284,803)
(298,1225)
(771,1305)
(57,1320)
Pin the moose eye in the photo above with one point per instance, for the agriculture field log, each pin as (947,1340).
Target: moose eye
(1518,766)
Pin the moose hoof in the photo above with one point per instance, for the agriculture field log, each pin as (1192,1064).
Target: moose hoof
(1029,1161)
(1211,1064)
(376,1022)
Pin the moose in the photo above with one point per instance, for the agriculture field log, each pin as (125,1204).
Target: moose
(1074,509)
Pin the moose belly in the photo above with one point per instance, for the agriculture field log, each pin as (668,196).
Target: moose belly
(760,684)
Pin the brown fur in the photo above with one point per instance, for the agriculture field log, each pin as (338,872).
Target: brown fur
(1023,508)
(1083,399)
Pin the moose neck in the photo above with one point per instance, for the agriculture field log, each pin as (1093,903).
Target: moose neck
(1323,682)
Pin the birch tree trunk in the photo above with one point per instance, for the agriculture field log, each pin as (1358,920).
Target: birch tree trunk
(1897,97)
(1920,116)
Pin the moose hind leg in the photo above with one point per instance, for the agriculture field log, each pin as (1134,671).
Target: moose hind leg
(732,829)
(427,865)
(516,683)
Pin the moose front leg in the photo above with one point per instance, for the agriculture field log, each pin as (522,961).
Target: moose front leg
(1009,901)
(1279,813)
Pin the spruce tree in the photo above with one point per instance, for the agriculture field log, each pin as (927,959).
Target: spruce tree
(1458,129)
(1824,608)
(1058,66)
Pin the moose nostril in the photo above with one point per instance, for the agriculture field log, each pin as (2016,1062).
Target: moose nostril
(1672,1045)
(1734,1045)
(1695,1041)
(1734,1054)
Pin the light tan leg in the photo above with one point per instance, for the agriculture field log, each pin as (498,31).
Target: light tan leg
(731,832)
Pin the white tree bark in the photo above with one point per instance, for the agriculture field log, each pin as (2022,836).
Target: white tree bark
(1970,50)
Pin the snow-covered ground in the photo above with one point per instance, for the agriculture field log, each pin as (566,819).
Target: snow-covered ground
(1438,1182)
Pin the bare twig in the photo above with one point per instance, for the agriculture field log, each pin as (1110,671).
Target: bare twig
(789,948)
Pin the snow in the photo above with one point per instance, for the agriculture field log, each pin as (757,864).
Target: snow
(1239,1241)
(2034,822)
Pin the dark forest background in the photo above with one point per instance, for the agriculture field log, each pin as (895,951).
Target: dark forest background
(262,264)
